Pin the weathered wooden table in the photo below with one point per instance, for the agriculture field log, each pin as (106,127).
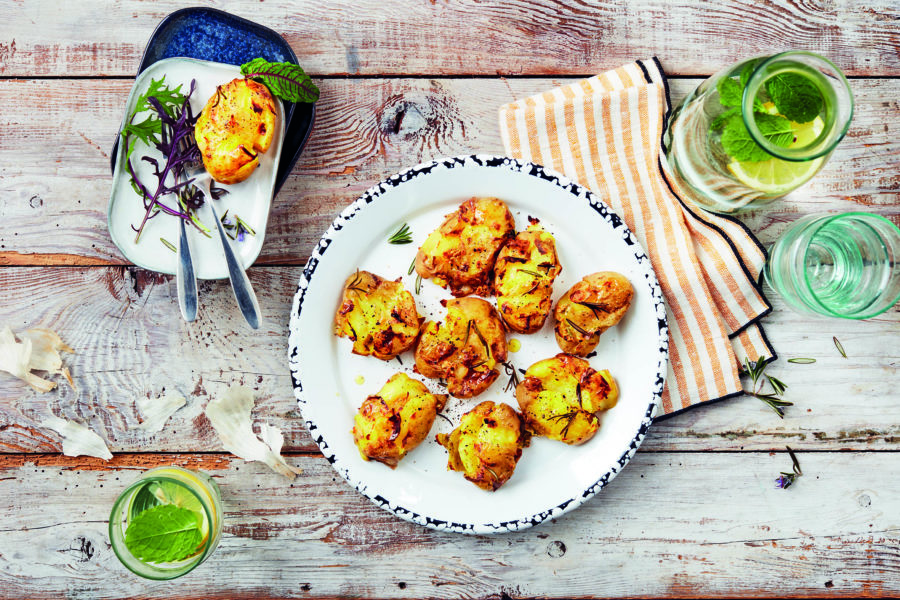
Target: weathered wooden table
(696,513)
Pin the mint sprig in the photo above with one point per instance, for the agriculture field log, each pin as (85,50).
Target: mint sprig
(738,143)
(285,80)
(795,97)
(164,533)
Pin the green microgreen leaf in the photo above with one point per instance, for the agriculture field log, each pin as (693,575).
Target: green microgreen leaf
(839,346)
(285,80)
(164,533)
(795,96)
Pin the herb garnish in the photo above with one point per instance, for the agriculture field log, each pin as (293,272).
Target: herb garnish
(839,346)
(418,283)
(785,480)
(802,361)
(285,80)
(412,267)
(487,349)
(570,418)
(794,96)
(164,533)
(510,371)
(402,236)
(168,244)
(236,228)
(756,370)
(580,330)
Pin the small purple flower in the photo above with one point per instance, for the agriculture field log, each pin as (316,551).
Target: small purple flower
(227,222)
(240,235)
(784,481)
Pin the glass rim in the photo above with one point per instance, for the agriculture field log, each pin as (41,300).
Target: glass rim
(821,308)
(756,80)
(116,509)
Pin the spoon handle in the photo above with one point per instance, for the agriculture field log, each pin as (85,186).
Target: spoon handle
(240,283)
(185,279)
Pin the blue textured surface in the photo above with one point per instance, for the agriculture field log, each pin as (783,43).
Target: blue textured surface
(216,37)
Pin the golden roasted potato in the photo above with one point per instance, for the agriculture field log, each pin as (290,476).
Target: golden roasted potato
(380,316)
(487,444)
(592,306)
(395,420)
(236,124)
(523,278)
(561,398)
(459,255)
(465,349)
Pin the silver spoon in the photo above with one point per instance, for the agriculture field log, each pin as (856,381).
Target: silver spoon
(185,279)
(240,283)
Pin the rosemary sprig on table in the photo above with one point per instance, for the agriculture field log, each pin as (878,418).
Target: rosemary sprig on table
(756,370)
(802,361)
(401,236)
(785,480)
(510,371)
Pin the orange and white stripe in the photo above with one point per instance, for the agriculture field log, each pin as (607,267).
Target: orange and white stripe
(604,132)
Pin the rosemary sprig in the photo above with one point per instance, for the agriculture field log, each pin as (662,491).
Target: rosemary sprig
(510,371)
(595,307)
(839,346)
(237,228)
(532,273)
(756,370)
(354,285)
(401,236)
(802,361)
(487,349)
(570,418)
(412,267)
(785,480)
(580,330)
(168,244)
(418,284)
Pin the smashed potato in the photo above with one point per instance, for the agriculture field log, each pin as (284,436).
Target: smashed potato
(398,418)
(459,255)
(523,278)
(380,316)
(465,349)
(236,124)
(487,444)
(592,306)
(561,398)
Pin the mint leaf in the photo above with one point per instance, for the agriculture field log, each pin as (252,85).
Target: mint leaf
(164,533)
(795,97)
(738,144)
(720,121)
(285,80)
(747,71)
(730,91)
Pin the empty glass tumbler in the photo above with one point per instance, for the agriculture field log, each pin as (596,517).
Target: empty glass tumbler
(845,265)
(757,130)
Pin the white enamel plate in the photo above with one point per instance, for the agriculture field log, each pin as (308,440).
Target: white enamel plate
(331,383)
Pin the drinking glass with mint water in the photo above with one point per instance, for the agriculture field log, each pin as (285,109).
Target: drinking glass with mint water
(845,265)
(757,130)
(166,523)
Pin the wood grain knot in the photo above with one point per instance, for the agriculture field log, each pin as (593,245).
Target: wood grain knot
(428,116)
(556,549)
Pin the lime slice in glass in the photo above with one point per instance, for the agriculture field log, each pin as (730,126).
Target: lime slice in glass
(778,176)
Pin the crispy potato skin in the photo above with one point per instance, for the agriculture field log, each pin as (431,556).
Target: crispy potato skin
(398,418)
(465,349)
(487,444)
(380,316)
(236,124)
(594,304)
(459,255)
(523,278)
(561,398)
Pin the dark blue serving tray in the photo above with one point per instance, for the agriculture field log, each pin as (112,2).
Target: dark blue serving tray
(218,36)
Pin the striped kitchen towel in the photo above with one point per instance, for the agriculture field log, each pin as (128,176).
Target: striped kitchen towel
(605,133)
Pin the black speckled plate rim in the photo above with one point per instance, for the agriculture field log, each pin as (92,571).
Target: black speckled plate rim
(604,212)
(299,117)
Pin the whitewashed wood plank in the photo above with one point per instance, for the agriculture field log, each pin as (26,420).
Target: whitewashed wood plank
(131,342)
(671,525)
(467,37)
(54,166)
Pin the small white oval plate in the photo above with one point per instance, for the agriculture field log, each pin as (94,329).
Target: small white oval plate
(551,478)
(250,200)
